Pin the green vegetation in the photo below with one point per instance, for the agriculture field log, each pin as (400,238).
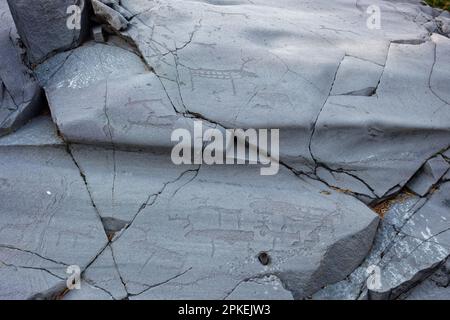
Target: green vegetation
(443,4)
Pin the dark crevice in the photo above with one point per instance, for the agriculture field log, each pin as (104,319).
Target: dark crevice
(314,125)
(113,225)
(375,91)
(83,177)
(431,75)
(151,200)
(366,92)
(149,287)
(31,268)
(116,266)
(33,253)
(92,283)
(410,41)
(56,292)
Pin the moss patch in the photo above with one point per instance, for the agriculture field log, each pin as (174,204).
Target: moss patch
(443,4)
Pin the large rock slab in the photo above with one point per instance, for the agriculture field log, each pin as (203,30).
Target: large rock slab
(122,182)
(317,238)
(431,172)
(102,94)
(47,220)
(26,274)
(101,281)
(428,290)
(436,287)
(266,288)
(86,65)
(47,27)
(349,101)
(412,241)
(20,95)
(189,243)
(432,222)
(223,61)
(107,14)
(351,81)
(40,131)
(134,191)
(349,110)
(354,286)
(379,139)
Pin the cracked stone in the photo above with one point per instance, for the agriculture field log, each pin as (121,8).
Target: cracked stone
(411,242)
(433,170)
(431,26)
(353,287)
(40,131)
(428,290)
(446,154)
(263,75)
(406,263)
(266,288)
(87,65)
(20,95)
(100,281)
(122,182)
(350,80)
(123,103)
(87,292)
(112,17)
(112,226)
(46,212)
(115,4)
(436,287)
(344,181)
(213,231)
(385,132)
(24,274)
(432,221)
(263,79)
(97,33)
(46,27)
(363,116)
(188,239)
(440,73)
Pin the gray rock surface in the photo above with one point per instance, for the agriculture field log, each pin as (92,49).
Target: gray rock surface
(446,154)
(354,286)
(187,240)
(351,81)
(385,132)
(98,35)
(122,103)
(112,17)
(213,228)
(121,181)
(20,96)
(412,241)
(364,117)
(48,221)
(266,288)
(40,131)
(322,115)
(43,25)
(86,65)
(101,280)
(432,171)
(428,290)
(436,287)
(242,66)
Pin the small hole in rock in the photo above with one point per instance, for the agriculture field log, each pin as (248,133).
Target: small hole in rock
(264,258)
